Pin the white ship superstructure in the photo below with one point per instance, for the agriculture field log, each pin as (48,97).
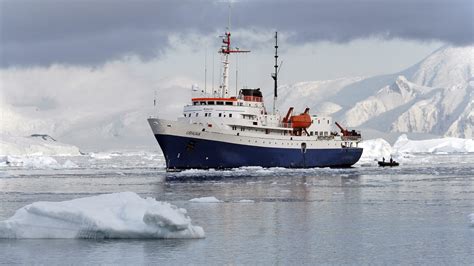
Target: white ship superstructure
(223,131)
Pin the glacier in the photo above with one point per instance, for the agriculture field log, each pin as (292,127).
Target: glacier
(117,215)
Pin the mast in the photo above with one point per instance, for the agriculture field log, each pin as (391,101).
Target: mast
(226,50)
(275,75)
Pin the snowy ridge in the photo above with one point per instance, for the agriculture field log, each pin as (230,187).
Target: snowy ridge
(464,124)
(118,215)
(445,68)
(388,98)
(436,114)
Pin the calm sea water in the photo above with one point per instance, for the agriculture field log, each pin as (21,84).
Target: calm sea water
(414,214)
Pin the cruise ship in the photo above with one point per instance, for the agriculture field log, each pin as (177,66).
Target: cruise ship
(221,131)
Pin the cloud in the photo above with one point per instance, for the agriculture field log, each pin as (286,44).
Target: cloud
(92,32)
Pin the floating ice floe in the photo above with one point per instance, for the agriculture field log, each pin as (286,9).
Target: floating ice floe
(205,200)
(117,215)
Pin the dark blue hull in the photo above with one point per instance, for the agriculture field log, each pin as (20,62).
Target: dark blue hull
(191,153)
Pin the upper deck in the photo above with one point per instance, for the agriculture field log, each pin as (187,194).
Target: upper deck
(247,115)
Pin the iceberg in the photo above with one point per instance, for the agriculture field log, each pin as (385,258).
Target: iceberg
(404,148)
(441,145)
(117,215)
(375,149)
(471,217)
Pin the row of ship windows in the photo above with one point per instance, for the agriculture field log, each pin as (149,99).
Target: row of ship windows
(221,103)
(206,115)
(267,131)
(294,144)
(213,103)
(321,133)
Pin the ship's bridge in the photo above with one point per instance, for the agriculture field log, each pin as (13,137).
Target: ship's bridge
(246,109)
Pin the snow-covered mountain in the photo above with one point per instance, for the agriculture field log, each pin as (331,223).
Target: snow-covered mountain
(434,96)
(401,92)
(445,68)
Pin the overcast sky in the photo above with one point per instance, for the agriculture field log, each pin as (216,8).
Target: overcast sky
(321,39)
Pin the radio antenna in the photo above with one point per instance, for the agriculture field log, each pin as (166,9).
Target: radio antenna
(205,71)
(275,75)
(228,17)
(213,71)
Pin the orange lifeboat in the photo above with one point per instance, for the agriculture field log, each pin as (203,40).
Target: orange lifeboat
(300,121)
